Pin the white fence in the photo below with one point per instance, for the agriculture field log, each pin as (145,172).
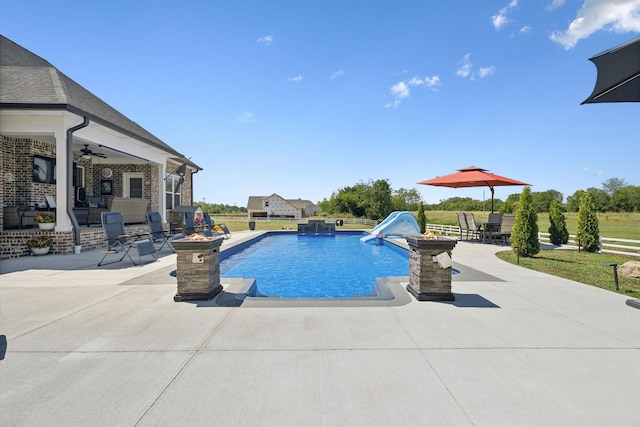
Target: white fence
(607,244)
(345,221)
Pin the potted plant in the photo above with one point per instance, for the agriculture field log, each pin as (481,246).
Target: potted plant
(40,245)
(45,221)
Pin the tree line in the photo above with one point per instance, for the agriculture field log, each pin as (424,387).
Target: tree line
(372,199)
(376,199)
(220,209)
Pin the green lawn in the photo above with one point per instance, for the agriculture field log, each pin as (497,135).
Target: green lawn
(583,267)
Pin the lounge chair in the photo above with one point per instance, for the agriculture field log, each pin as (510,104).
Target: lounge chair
(157,231)
(119,242)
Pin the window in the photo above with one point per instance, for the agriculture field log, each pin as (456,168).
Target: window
(173,191)
(44,170)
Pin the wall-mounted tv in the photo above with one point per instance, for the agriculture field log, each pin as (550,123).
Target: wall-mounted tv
(44,169)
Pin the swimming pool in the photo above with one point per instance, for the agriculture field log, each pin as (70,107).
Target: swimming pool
(289,265)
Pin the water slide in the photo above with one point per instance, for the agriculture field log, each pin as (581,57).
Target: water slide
(397,224)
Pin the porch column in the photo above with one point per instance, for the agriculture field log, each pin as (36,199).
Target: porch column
(63,222)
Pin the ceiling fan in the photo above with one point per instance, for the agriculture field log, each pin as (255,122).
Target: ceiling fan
(88,152)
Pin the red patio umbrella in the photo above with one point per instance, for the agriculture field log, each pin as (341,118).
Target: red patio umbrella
(472,176)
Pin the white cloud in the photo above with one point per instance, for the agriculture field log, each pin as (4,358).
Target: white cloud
(464,66)
(297,78)
(400,91)
(500,19)
(246,117)
(619,16)
(486,71)
(525,30)
(466,69)
(555,4)
(265,40)
(432,83)
(337,74)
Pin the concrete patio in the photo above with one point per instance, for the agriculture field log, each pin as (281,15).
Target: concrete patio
(89,345)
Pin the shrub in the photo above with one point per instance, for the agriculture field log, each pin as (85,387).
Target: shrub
(588,230)
(525,231)
(422,219)
(558,225)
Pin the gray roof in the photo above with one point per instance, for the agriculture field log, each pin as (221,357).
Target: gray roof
(29,82)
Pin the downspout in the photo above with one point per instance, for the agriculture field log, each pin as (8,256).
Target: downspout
(70,193)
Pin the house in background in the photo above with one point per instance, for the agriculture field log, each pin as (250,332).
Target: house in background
(62,143)
(274,206)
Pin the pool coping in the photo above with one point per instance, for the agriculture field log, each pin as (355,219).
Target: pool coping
(392,289)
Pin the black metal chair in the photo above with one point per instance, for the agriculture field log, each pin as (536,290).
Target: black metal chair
(157,231)
(119,242)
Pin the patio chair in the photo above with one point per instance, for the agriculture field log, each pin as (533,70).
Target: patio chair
(506,227)
(491,226)
(157,231)
(494,219)
(467,224)
(207,220)
(119,242)
(473,227)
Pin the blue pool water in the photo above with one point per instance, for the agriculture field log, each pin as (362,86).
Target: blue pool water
(297,266)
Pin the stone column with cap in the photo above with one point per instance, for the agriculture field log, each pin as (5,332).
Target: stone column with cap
(198,268)
(430,268)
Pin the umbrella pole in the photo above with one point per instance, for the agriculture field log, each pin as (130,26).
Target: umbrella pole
(492,191)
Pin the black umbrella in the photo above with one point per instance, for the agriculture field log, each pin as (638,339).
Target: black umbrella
(618,74)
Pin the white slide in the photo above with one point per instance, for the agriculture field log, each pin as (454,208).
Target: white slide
(397,224)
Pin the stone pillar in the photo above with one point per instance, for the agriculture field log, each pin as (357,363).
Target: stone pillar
(198,270)
(430,278)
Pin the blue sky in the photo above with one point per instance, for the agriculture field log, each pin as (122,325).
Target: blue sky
(302,98)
